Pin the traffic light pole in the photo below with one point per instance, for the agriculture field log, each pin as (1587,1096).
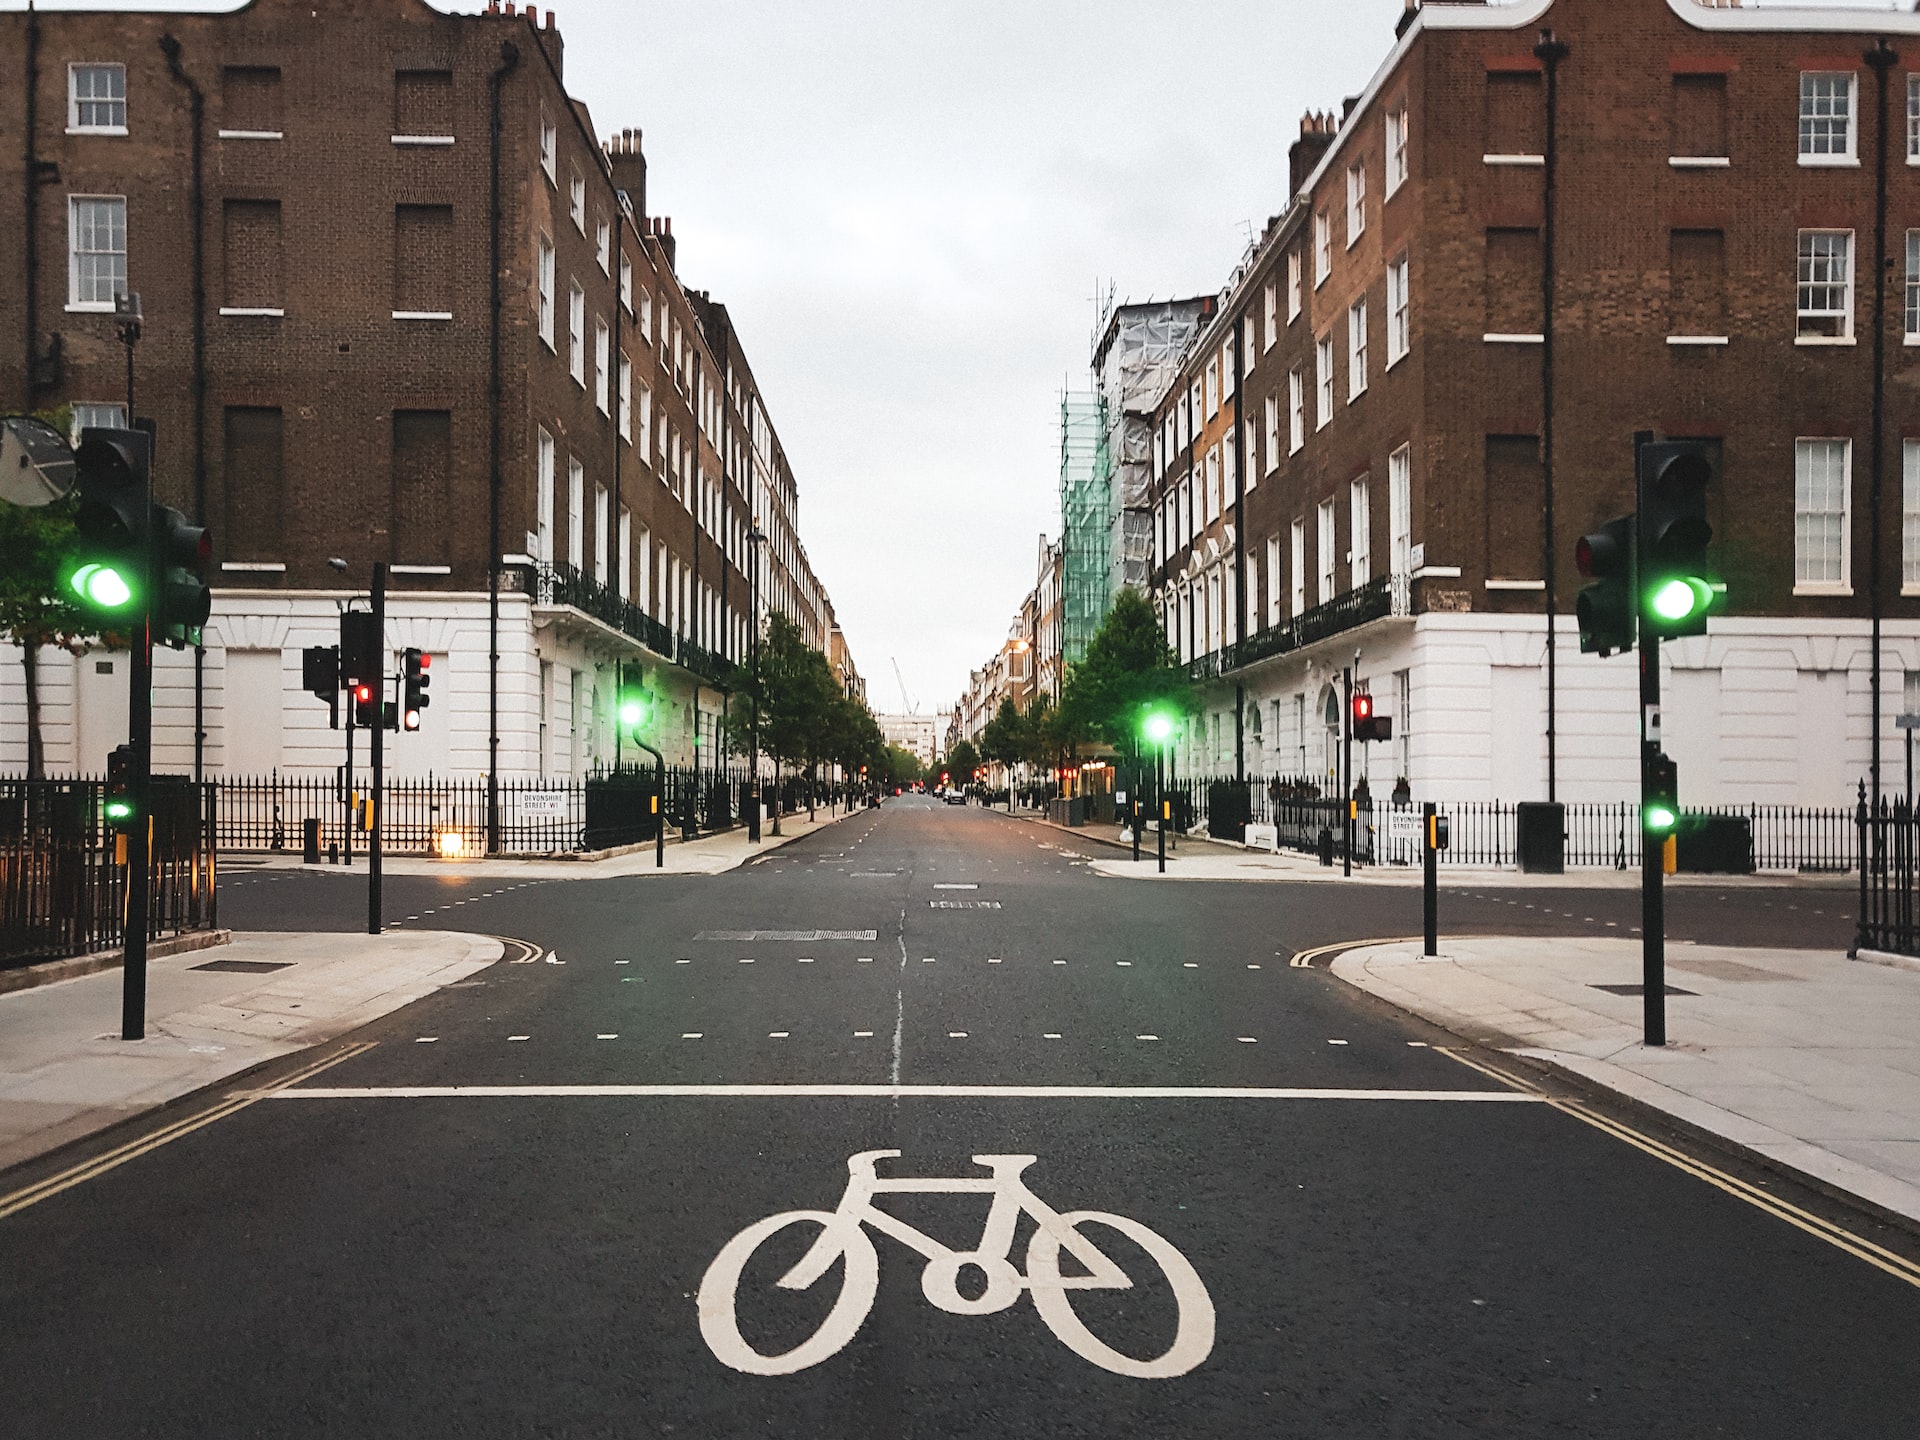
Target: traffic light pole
(378,736)
(1346,769)
(1653,845)
(133,941)
(1430,880)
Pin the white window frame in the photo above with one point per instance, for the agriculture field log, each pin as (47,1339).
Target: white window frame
(1913,119)
(544,282)
(1911,326)
(1229,468)
(1271,308)
(1213,386)
(103,414)
(1327,543)
(1356,201)
(1295,267)
(1398,133)
(92,304)
(626,282)
(1360,532)
(1296,411)
(601,512)
(577,332)
(1250,342)
(645,443)
(1323,381)
(623,571)
(577,200)
(603,242)
(1817,114)
(1212,472)
(543,501)
(646,314)
(1815,280)
(1273,580)
(549,148)
(1400,510)
(625,389)
(1356,349)
(1297,566)
(1809,451)
(602,364)
(1273,433)
(75,99)
(1399,310)
(1228,379)
(1322,247)
(576,513)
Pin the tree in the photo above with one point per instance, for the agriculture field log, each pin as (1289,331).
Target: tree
(791,699)
(1127,671)
(35,545)
(1004,741)
(962,760)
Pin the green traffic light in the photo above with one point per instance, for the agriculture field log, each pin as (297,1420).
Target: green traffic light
(1680,599)
(1660,818)
(1158,726)
(101,586)
(119,809)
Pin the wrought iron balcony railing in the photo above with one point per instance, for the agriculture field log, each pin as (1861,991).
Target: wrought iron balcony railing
(564,585)
(1380,597)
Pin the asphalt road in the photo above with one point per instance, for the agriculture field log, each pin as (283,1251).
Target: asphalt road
(1366,1238)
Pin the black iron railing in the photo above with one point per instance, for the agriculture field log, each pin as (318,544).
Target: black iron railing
(1380,597)
(1889,840)
(62,888)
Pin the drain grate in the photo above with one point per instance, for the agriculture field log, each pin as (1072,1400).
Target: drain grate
(244,967)
(1639,990)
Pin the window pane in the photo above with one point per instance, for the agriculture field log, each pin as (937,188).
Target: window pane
(1826,114)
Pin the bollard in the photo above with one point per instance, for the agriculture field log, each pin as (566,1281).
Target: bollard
(310,854)
(1430,882)
(1326,847)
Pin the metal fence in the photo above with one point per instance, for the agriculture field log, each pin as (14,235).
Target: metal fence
(537,817)
(1599,834)
(62,889)
(1889,836)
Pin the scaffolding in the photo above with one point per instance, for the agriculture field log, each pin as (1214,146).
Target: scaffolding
(1085,508)
(1137,356)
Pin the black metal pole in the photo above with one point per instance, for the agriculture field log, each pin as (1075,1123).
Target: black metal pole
(1653,850)
(1550,51)
(1430,863)
(1160,803)
(1882,58)
(754,541)
(133,935)
(659,802)
(377,802)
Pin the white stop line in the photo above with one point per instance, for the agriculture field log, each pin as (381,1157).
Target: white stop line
(843,1236)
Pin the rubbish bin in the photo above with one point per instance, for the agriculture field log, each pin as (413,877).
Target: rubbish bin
(1326,845)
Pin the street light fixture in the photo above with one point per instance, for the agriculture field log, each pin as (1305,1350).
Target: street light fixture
(1158,727)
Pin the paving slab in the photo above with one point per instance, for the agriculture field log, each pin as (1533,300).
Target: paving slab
(65,1072)
(1804,1057)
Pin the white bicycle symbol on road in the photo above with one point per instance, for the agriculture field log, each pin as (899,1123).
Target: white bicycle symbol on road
(841,1234)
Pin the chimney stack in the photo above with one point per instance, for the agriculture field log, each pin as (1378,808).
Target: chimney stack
(1317,130)
(628,166)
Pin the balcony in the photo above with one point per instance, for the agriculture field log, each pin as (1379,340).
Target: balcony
(564,585)
(1379,598)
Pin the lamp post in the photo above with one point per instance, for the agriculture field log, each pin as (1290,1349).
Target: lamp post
(754,541)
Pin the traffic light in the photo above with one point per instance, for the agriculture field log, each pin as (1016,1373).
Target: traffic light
(366,709)
(360,641)
(415,680)
(636,707)
(1605,607)
(320,670)
(119,806)
(1367,725)
(1675,593)
(108,575)
(1660,804)
(1157,727)
(182,600)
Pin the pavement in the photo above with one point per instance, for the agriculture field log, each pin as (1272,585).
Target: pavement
(1802,1057)
(709,855)
(65,1072)
(560,1197)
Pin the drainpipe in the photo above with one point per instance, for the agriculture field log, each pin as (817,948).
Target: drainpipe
(509,59)
(1882,58)
(197,111)
(30,172)
(1551,51)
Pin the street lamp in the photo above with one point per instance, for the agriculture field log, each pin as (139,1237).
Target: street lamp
(635,709)
(755,539)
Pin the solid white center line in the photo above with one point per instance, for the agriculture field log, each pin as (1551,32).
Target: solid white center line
(893,1092)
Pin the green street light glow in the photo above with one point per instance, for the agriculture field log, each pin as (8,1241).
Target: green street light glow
(101,586)
(1679,599)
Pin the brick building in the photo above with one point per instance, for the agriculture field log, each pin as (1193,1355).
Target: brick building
(403,304)
(1374,380)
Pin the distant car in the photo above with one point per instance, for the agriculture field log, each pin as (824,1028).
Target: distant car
(956,797)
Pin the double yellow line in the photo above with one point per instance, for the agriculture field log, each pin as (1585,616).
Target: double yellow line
(1837,1236)
(1304,960)
(19,1200)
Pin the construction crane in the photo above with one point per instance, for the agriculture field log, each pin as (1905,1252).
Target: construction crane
(905,698)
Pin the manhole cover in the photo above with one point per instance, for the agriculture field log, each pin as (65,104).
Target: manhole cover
(244,967)
(1639,989)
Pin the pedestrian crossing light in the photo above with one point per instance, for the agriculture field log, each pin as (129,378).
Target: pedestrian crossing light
(118,807)
(1661,810)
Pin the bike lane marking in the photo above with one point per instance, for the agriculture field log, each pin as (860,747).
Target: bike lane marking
(895,1092)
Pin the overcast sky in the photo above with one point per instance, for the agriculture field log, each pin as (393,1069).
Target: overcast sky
(909,209)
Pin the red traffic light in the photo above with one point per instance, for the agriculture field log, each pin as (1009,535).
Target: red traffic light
(426,661)
(363,693)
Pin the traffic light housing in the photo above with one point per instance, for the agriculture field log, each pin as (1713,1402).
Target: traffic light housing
(118,806)
(1368,726)
(1675,592)
(636,707)
(366,704)
(107,576)
(360,642)
(1660,803)
(414,683)
(320,670)
(182,599)
(1605,607)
